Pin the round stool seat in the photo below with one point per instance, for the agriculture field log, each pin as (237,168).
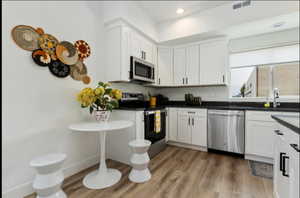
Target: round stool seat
(47,160)
(140,146)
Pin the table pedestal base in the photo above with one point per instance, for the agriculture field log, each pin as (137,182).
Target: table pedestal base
(96,180)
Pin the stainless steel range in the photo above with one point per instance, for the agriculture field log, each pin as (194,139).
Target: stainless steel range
(157,138)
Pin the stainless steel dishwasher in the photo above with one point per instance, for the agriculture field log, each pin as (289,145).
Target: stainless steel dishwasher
(226,130)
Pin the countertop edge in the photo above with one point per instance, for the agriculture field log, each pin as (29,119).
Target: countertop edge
(287,124)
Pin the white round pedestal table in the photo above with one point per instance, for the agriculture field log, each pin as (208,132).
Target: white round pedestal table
(103,177)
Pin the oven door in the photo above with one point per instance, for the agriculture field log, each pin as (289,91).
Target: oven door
(150,133)
(141,70)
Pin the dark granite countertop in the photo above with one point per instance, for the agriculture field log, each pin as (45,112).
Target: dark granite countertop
(250,106)
(290,121)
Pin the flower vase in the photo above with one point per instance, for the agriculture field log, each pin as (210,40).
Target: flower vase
(101,115)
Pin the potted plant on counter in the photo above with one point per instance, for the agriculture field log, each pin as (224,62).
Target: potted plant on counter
(101,100)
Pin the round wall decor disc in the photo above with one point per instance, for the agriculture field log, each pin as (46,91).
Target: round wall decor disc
(59,69)
(25,37)
(86,79)
(78,71)
(83,49)
(48,43)
(41,58)
(67,53)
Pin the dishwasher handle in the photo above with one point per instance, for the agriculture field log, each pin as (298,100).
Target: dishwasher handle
(226,113)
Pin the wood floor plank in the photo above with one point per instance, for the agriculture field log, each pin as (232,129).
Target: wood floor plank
(180,173)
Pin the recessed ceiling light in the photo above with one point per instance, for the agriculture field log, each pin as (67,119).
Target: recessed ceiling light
(180,11)
(279,24)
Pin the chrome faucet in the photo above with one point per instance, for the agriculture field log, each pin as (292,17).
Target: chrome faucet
(275,97)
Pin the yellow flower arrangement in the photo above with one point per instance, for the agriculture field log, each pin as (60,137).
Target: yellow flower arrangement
(101,98)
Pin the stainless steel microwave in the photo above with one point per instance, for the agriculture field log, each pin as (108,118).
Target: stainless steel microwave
(141,70)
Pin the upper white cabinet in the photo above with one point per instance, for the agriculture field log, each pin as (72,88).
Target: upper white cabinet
(122,41)
(186,65)
(179,66)
(165,66)
(192,65)
(141,47)
(213,62)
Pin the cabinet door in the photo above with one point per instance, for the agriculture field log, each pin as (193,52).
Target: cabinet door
(172,132)
(135,42)
(260,138)
(184,129)
(147,50)
(165,66)
(294,172)
(213,63)
(192,65)
(199,130)
(179,66)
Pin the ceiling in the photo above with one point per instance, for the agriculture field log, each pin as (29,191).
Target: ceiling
(161,11)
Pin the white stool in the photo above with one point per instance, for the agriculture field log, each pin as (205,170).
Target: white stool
(139,161)
(49,178)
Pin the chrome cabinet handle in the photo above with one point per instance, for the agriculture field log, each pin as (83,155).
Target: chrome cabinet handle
(186,80)
(280,161)
(193,121)
(191,112)
(284,172)
(278,132)
(159,81)
(296,147)
(189,120)
(182,80)
(223,78)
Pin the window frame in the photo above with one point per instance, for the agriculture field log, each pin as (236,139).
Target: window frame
(286,98)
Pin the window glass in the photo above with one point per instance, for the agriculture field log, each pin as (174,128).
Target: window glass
(286,79)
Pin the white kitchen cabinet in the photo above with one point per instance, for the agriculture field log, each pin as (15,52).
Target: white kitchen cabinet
(121,42)
(199,130)
(186,65)
(286,163)
(184,130)
(192,127)
(180,66)
(165,66)
(172,124)
(192,65)
(213,63)
(260,138)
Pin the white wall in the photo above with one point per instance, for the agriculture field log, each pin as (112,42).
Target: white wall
(210,93)
(274,39)
(223,17)
(38,107)
(131,12)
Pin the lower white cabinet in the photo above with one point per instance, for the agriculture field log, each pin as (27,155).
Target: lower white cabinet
(260,138)
(188,126)
(286,163)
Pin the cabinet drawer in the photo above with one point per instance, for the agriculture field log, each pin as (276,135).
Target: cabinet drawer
(264,115)
(191,111)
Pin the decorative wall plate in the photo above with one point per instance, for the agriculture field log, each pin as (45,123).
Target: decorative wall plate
(25,37)
(41,58)
(78,70)
(48,43)
(67,53)
(59,69)
(86,79)
(83,49)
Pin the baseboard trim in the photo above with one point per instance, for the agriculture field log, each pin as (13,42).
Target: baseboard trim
(259,158)
(25,189)
(193,147)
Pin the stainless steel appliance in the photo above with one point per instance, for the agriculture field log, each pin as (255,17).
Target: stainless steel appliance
(141,70)
(136,101)
(158,142)
(226,130)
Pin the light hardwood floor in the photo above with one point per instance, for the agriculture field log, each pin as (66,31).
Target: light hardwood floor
(180,173)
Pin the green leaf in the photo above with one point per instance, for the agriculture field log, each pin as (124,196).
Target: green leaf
(101,84)
(108,91)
